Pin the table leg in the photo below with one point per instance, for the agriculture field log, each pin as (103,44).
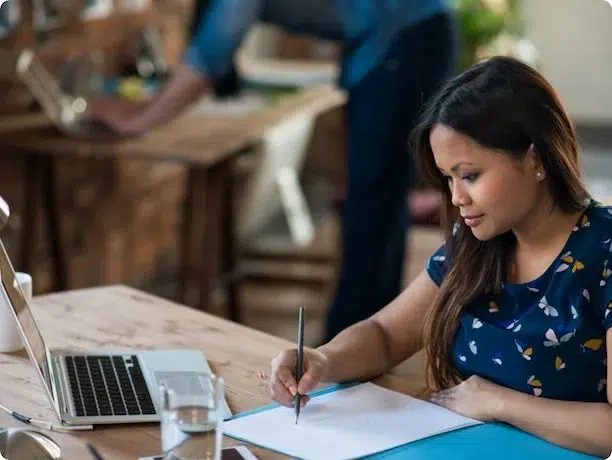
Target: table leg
(229,255)
(215,233)
(32,186)
(208,230)
(186,239)
(54,222)
(211,181)
(40,182)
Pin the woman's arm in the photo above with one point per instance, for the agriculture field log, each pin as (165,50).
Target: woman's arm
(586,427)
(375,345)
(581,426)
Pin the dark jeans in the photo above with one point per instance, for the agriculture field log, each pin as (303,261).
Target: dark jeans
(381,111)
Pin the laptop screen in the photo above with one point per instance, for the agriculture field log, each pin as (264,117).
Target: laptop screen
(33,340)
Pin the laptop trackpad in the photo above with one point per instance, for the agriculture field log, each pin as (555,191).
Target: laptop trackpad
(183,370)
(185,383)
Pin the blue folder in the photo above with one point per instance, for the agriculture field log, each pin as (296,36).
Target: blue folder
(490,440)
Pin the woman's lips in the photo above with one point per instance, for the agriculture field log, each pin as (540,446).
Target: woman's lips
(474,220)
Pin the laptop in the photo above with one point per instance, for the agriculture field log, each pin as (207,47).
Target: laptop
(67,113)
(101,387)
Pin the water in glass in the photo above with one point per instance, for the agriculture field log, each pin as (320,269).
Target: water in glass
(192,419)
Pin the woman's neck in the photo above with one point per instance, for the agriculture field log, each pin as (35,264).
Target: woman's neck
(538,242)
(545,228)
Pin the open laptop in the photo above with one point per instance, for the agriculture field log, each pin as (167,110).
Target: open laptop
(106,387)
(67,113)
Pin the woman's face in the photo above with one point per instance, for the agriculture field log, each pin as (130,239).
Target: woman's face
(494,191)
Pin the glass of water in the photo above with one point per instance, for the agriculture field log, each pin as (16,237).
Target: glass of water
(192,418)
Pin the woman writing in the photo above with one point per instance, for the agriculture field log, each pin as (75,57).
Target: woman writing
(513,310)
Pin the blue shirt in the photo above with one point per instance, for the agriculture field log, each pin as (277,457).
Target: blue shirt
(367,28)
(546,337)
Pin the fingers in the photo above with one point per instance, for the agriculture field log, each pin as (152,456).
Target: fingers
(99,107)
(307,383)
(311,377)
(441,398)
(283,384)
(283,367)
(285,376)
(280,393)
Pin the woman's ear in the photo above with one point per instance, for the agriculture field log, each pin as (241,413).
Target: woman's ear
(534,163)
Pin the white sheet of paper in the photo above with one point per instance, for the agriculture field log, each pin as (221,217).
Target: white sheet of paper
(349,423)
(247,103)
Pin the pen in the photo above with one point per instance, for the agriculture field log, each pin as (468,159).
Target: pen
(94,452)
(300,358)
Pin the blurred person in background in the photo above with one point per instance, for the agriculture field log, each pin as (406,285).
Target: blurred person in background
(395,54)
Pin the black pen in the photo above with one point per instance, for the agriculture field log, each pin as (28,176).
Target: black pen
(300,361)
(94,452)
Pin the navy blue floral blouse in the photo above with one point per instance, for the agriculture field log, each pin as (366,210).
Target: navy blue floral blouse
(546,337)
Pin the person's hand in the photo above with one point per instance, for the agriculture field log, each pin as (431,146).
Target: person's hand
(283,386)
(475,397)
(121,115)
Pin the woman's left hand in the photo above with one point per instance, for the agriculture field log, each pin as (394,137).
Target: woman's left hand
(475,397)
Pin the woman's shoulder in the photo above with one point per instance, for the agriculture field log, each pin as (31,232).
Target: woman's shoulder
(595,225)
(600,215)
(592,240)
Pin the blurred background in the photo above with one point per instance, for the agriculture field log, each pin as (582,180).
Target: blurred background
(120,218)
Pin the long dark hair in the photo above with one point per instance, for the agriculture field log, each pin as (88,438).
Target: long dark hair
(229,84)
(506,105)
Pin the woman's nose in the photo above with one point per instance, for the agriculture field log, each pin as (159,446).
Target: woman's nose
(459,195)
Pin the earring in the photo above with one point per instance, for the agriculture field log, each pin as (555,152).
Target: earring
(539,175)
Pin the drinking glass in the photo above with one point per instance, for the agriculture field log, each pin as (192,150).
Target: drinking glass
(192,418)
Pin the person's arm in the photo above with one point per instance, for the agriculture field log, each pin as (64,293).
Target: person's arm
(581,426)
(185,86)
(586,427)
(208,57)
(375,345)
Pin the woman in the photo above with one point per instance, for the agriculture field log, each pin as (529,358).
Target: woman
(513,309)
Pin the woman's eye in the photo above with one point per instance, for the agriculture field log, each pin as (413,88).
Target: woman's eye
(471,177)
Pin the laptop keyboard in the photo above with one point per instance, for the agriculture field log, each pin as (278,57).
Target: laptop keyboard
(108,385)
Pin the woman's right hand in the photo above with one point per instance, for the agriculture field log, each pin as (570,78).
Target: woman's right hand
(283,385)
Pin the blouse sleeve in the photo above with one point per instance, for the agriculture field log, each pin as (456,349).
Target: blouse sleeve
(438,265)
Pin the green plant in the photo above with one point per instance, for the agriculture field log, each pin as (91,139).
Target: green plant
(482,21)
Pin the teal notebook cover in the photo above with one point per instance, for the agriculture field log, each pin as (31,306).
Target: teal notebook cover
(491,440)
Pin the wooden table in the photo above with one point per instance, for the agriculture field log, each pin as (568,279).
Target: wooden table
(207,144)
(118,316)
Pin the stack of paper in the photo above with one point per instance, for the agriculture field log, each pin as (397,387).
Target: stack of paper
(248,102)
(349,423)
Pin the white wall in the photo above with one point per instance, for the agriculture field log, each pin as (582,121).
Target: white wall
(574,39)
